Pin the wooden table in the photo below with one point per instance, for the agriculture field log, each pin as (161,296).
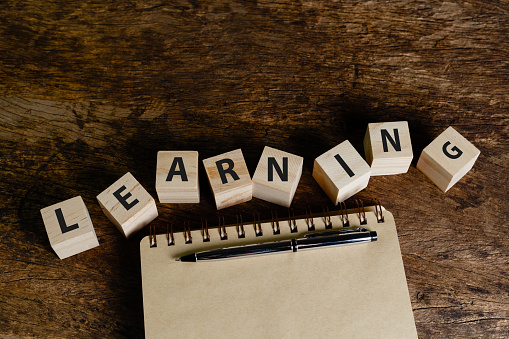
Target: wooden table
(91,91)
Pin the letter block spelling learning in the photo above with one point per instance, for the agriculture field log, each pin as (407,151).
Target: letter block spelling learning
(388,147)
(277,176)
(128,205)
(447,159)
(69,227)
(341,172)
(229,178)
(177,177)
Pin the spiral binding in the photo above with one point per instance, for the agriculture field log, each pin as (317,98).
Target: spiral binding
(152,236)
(169,235)
(240,227)
(275,223)
(325,217)
(257,225)
(292,222)
(187,234)
(361,212)
(309,219)
(205,231)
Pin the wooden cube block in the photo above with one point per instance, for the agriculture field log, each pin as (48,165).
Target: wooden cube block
(69,227)
(177,177)
(388,147)
(447,159)
(229,178)
(341,172)
(277,176)
(128,205)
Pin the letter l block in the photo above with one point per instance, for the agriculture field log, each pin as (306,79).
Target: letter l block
(69,227)
(128,205)
(341,172)
(447,159)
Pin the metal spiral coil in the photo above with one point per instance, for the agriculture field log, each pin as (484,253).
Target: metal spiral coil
(308,217)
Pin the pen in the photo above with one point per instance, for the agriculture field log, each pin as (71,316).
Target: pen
(309,241)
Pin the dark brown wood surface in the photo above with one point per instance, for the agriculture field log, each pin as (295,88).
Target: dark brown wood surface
(89,91)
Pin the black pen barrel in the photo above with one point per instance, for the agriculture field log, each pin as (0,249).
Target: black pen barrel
(335,240)
(241,251)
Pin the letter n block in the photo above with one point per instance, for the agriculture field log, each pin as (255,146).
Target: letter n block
(177,177)
(69,227)
(388,147)
(229,179)
(341,172)
(277,176)
(128,205)
(447,159)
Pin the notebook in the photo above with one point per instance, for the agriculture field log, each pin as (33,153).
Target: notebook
(352,291)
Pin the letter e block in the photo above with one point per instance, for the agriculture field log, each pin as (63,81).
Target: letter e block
(388,147)
(341,172)
(229,178)
(128,205)
(177,177)
(69,227)
(277,176)
(447,159)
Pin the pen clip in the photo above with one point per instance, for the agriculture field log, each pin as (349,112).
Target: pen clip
(325,234)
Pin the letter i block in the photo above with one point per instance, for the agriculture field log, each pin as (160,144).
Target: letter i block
(277,176)
(341,172)
(388,147)
(177,177)
(69,227)
(128,205)
(447,159)
(229,178)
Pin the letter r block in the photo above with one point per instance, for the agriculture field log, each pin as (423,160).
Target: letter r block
(277,176)
(388,147)
(177,177)
(341,172)
(447,159)
(128,205)
(69,227)
(229,178)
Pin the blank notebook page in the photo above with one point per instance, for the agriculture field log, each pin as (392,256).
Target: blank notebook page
(352,291)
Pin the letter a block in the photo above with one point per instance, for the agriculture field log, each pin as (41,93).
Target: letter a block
(388,147)
(177,177)
(70,230)
(128,205)
(229,179)
(447,159)
(277,176)
(341,172)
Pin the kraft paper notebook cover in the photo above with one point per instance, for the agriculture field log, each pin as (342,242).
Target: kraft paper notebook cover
(352,291)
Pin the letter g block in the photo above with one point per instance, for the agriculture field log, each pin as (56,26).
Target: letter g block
(447,159)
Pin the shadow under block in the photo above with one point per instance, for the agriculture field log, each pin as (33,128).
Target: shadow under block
(128,205)
(388,147)
(177,177)
(447,159)
(341,172)
(277,176)
(229,178)
(69,227)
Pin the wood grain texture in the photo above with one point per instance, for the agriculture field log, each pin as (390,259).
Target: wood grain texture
(90,91)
